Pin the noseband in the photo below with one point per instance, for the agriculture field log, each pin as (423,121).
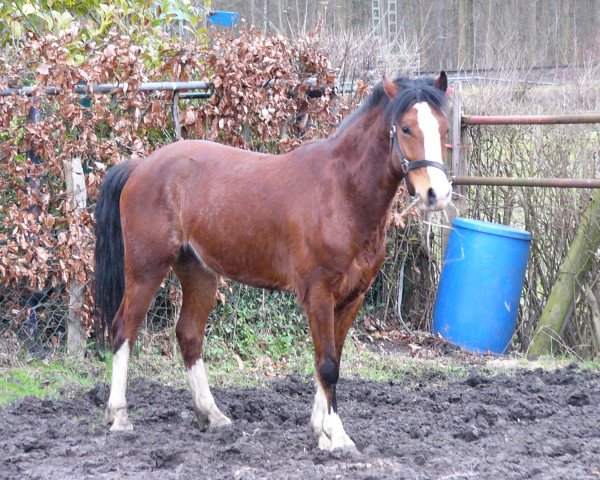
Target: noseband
(406,165)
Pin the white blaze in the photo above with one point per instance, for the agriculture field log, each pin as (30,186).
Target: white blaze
(431,132)
(432,143)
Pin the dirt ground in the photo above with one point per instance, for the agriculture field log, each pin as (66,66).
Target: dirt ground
(523,424)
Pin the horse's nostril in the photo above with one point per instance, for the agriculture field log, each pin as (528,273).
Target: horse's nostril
(431,196)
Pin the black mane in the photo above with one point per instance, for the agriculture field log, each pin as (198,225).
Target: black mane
(410,91)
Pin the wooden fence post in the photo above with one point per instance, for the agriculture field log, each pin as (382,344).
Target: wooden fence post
(459,143)
(459,166)
(175,112)
(76,336)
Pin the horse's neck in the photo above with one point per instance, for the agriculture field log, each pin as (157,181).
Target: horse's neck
(366,176)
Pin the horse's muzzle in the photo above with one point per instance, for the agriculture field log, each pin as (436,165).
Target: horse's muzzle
(436,202)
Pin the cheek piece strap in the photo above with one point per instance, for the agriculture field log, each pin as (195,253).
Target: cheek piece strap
(404,163)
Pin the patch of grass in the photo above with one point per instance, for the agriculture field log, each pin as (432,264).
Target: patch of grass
(17,384)
(515,361)
(42,379)
(360,361)
(553,362)
(590,365)
(159,368)
(226,368)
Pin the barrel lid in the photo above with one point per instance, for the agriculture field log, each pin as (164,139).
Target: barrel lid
(492,228)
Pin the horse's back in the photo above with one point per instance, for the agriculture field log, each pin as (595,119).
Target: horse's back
(198,153)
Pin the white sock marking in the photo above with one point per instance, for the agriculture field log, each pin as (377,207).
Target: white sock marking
(116,410)
(327,425)
(204,402)
(119,377)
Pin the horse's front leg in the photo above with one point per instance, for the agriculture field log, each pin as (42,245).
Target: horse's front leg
(325,422)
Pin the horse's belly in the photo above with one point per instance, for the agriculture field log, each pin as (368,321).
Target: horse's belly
(246,261)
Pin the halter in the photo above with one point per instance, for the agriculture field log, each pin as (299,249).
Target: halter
(406,165)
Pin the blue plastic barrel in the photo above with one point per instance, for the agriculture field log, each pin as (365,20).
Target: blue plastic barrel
(480,286)
(223,19)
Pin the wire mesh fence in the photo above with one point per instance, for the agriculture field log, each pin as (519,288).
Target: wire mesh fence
(35,322)
(402,296)
(403,293)
(552,215)
(31,320)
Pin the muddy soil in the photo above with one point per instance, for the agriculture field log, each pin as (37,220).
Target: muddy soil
(528,424)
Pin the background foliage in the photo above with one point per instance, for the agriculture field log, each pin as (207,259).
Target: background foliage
(444,34)
(261,99)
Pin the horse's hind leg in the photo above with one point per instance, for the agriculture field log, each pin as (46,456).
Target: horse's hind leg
(199,286)
(142,280)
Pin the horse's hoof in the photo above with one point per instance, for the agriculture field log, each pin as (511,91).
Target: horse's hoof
(324,443)
(348,451)
(219,422)
(344,450)
(342,444)
(121,426)
(213,420)
(119,419)
(109,415)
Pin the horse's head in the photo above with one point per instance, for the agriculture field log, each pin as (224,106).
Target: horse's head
(418,130)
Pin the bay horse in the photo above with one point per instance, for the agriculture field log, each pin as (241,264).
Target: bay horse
(311,221)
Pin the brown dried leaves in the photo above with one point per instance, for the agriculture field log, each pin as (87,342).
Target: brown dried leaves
(261,98)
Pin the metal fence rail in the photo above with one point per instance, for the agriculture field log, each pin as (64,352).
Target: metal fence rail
(530,119)
(529,182)
(111,87)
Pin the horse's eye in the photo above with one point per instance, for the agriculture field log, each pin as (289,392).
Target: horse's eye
(406,130)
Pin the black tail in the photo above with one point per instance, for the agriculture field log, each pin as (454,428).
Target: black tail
(109,283)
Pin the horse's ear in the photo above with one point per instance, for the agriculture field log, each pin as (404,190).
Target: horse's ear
(390,87)
(441,82)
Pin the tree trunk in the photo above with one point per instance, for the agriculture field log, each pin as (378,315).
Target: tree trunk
(75,187)
(565,32)
(280,13)
(532,31)
(595,320)
(489,34)
(325,5)
(297,18)
(462,34)
(572,273)
(424,11)
(465,29)
(265,16)
(345,15)
(549,30)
